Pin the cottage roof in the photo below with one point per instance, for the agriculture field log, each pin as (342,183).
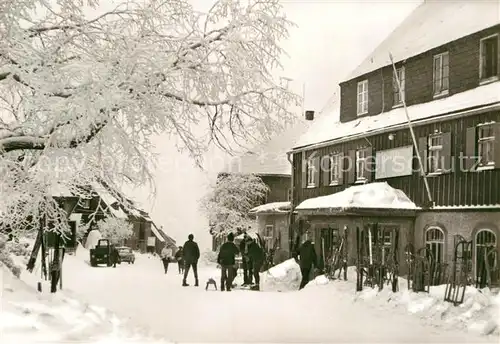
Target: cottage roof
(328,128)
(269,158)
(432,24)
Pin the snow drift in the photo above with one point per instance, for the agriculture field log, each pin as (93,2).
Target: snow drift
(30,317)
(282,277)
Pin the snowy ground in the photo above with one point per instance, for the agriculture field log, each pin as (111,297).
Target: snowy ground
(331,312)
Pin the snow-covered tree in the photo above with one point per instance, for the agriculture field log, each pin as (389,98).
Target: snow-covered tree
(227,204)
(85,85)
(115,229)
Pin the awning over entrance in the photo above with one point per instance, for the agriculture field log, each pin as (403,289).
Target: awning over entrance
(360,199)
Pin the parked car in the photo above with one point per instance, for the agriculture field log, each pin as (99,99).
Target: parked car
(126,254)
(101,253)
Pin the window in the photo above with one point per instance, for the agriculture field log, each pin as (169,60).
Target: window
(268,236)
(441,74)
(335,169)
(362,107)
(434,242)
(486,240)
(489,57)
(435,159)
(85,203)
(360,164)
(399,96)
(311,173)
(289,195)
(486,144)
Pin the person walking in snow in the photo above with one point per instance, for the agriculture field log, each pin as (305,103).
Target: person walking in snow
(115,256)
(166,255)
(245,260)
(257,257)
(191,254)
(307,259)
(180,261)
(227,259)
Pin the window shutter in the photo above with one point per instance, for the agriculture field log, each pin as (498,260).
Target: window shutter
(369,164)
(470,158)
(304,170)
(351,168)
(446,153)
(325,169)
(316,162)
(496,149)
(422,150)
(341,168)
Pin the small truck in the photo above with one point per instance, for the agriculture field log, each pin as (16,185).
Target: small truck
(102,253)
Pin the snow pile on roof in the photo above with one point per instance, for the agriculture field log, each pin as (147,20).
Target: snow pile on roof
(282,277)
(431,25)
(31,317)
(274,207)
(157,233)
(328,128)
(60,190)
(372,195)
(104,194)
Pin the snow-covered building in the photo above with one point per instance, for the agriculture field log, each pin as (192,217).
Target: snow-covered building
(147,236)
(446,58)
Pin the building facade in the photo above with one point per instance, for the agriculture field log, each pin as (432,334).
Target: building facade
(450,85)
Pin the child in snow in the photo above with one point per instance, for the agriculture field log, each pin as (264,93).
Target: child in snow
(166,256)
(178,258)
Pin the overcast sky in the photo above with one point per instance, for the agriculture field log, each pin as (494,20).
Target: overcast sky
(331,39)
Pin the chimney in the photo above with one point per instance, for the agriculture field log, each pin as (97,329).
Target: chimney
(309,115)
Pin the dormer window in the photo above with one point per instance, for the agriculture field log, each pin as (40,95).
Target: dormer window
(362,99)
(488,51)
(441,74)
(399,96)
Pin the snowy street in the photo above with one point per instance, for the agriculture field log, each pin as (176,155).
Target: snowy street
(159,304)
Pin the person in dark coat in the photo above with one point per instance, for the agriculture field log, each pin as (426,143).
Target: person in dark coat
(246,263)
(307,259)
(115,256)
(180,261)
(257,257)
(190,255)
(227,259)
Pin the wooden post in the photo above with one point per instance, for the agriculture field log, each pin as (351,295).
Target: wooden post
(55,268)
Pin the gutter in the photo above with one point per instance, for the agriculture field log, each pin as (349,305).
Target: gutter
(435,119)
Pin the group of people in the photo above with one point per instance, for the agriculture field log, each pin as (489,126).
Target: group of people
(253,256)
(187,257)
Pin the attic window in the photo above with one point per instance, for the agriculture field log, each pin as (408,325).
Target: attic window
(362,99)
(399,96)
(85,203)
(489,58)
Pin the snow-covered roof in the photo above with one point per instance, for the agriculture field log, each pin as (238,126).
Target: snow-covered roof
(432,24)
(60,190)
(379,195)
(328,128)
(269,158)
(157,233)
(104,194)
(274,207)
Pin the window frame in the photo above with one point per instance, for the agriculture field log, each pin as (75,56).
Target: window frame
(485,79)
(362,97)
(335,178)
(482,141)
(396,95)
(310,174)
(360,177)
(431,150)
(475,246)
(436,242)
(441,91)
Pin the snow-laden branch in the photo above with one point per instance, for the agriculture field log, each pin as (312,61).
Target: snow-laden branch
(84,87)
